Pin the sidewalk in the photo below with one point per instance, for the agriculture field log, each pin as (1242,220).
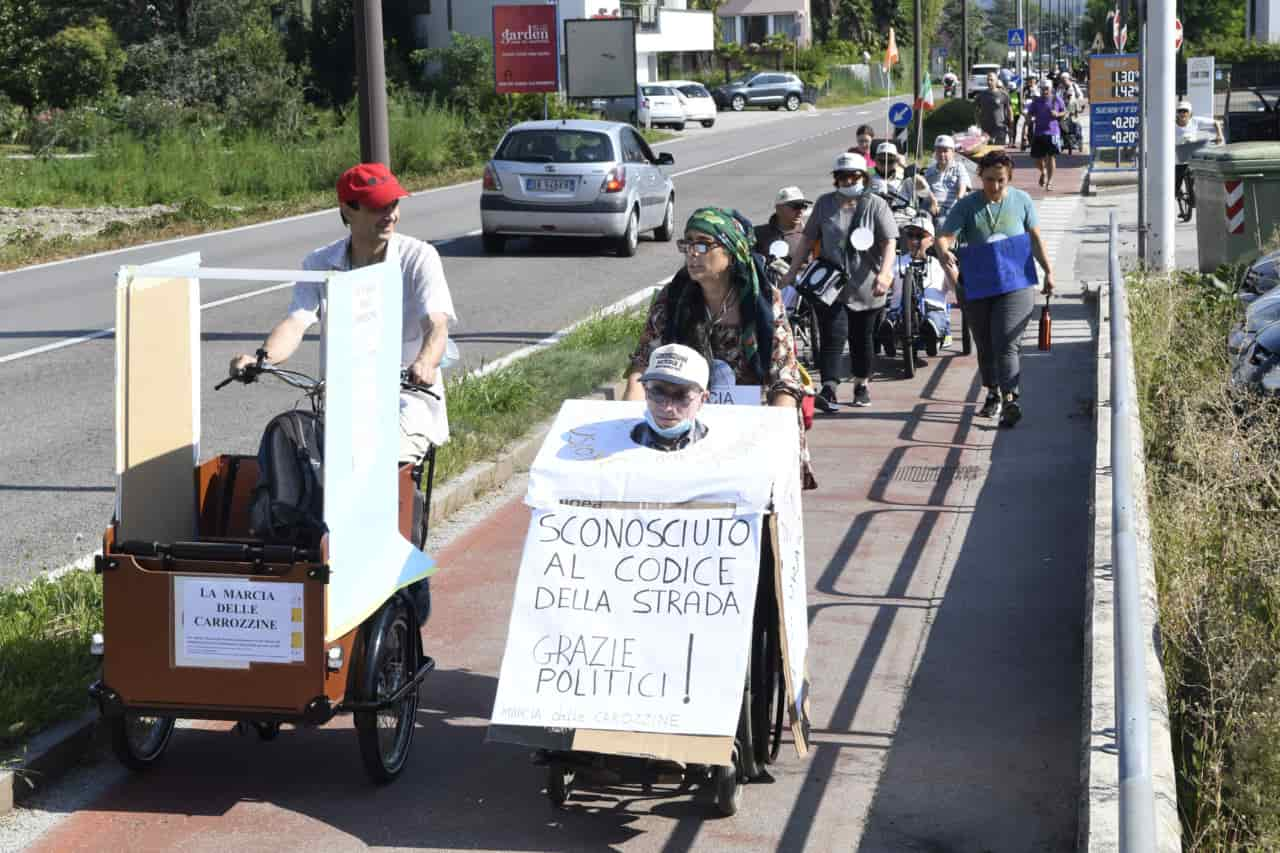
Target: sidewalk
(946,560)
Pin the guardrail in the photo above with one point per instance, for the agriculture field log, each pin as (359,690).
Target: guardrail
(1133,713)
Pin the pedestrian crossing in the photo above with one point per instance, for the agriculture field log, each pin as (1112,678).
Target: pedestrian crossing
(1059,218)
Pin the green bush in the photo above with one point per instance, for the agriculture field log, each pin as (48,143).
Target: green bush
(79,64)
(75,130)
(950,116)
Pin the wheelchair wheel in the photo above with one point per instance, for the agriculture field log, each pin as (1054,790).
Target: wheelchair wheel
(559,785)
(728,785)
(804,329)
(391,659)
(139,741)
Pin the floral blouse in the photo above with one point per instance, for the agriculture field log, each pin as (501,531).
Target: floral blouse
(726,344)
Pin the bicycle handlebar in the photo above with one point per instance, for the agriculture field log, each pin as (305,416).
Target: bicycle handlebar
(312,386)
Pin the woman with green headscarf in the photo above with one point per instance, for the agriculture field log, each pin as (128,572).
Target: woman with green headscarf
(717,305)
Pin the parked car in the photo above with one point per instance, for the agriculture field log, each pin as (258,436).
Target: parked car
(1260,277)
(1251,116)
(659,105)
(696,99)
(1257,367)
(764,89)
(576,178)
(978,77)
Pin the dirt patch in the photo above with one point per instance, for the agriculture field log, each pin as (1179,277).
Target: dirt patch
(50,222)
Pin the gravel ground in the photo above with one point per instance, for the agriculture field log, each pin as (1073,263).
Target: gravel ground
(70,221)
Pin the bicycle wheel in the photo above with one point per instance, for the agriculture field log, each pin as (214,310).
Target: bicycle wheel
(908,330)
(391,649)
(139,741)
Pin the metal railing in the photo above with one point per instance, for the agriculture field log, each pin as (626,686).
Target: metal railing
(1133,714)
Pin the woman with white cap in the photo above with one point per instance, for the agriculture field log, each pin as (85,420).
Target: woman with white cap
(858,237)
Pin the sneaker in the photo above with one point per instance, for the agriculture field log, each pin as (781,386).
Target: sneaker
(991,408)
(946,341)
(861,396)
(1011,414)
(825,400)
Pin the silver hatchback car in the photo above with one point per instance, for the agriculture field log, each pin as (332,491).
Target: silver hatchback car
(575,178)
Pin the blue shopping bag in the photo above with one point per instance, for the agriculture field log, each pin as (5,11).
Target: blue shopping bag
(990,269)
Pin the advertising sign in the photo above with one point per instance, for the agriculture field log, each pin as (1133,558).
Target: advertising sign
(1200,75)
(525,55)
(1115,121)
(600,58)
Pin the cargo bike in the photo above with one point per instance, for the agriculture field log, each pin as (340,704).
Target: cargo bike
(732,684)
(208,619)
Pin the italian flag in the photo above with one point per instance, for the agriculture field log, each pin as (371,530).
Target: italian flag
(926,94)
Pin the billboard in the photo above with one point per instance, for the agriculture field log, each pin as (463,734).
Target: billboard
(525,55)
(600,58)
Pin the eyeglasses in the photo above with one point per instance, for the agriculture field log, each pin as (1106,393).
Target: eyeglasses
(797,206)
(665,394)
(684,247)
(914,234)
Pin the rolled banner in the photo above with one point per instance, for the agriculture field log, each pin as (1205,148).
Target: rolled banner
(990,269)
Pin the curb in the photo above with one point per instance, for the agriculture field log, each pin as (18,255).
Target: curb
(1098,827)
(55,751)
(46,758)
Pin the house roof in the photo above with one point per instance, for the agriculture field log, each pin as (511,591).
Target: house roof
(762,7)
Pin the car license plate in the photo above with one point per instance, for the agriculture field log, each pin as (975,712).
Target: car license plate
(550,185)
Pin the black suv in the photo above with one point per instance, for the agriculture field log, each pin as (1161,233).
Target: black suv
(770,89)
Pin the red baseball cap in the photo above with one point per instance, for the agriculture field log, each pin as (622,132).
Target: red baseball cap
(369,185)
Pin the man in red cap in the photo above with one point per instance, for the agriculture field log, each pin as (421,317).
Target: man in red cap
(369,197)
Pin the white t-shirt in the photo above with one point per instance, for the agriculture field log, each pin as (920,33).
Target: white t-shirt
(935,282)
(425,289)
(1198,129)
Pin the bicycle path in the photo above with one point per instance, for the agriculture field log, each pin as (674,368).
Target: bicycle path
(946,561)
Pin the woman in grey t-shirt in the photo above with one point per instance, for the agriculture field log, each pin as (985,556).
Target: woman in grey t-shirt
(842,220)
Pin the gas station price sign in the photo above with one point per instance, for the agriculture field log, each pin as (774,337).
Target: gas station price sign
(1114,79)
(1115,84)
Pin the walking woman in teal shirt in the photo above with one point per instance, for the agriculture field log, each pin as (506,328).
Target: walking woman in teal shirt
(995,234)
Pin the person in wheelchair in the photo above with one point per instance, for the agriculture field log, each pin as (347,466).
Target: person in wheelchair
(369,198)
(933,304)
(675,389)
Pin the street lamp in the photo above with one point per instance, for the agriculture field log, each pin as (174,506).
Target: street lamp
(795,56)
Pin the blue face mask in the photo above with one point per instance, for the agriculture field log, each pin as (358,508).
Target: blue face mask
(851,191)
(667,432)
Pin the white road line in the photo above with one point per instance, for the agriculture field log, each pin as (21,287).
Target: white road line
(764,150)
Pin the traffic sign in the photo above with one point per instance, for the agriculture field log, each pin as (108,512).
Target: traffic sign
(1177,34)
(900,114)
(1017,38)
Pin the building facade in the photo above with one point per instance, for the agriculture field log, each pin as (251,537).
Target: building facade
(1262,20)
(752,21)
(663,26)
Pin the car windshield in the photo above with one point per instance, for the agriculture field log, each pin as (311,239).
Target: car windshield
(694,90)
(654,91)
(556,146)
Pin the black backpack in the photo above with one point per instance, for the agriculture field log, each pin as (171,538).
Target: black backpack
(288,502)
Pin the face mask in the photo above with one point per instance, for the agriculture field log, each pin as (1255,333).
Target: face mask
(851,192)
(668,432)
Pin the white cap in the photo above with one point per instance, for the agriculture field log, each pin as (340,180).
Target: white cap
(791,195)
(924,223)
(1183,105)
(944,141)
(678,364)
(850,161)
(887,148)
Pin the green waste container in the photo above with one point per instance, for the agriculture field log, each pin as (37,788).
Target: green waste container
(1237,201)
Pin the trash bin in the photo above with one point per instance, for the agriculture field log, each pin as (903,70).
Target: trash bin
(1237,201)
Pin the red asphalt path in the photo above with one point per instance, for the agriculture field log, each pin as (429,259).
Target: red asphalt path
(946,563)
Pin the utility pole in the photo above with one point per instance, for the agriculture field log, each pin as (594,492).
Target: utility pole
(964,49)
(371,70)
(918,60)
(1159,98)
(1143,142)
(1021,51)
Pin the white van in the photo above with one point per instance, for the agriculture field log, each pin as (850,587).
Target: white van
(978,76)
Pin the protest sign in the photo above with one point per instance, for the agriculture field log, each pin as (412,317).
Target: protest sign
(631,620)
(233,622)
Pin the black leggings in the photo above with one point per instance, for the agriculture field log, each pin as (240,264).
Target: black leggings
(837,324)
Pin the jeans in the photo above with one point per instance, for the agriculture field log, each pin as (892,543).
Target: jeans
(997,323)
(837,324)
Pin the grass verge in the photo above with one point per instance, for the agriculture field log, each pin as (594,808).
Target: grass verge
(45,665)
(45,628)
(487,413)
(1214,492)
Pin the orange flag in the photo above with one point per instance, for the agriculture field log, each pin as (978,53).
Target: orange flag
(891,52)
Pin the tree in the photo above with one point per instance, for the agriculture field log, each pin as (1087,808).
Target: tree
(80,63)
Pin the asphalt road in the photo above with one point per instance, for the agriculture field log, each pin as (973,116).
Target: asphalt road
(56,452)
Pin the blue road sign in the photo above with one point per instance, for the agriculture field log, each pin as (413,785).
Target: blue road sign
(900,114)
(1115,125)
(1017,38)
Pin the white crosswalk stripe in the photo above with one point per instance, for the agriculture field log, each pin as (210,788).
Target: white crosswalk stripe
(1058,219)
